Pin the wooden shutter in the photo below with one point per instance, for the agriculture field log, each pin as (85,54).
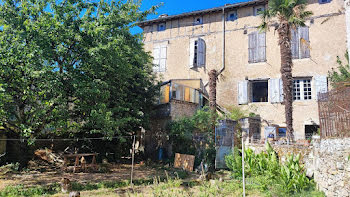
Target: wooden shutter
(274,90)
(201,52)
(243,92)
(252,43)
(321,85)
(261,48)
(281,90)
(304,42)
(163,57)
(295,43)
(191,63)
(156,58)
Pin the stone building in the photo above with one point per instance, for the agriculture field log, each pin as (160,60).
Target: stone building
(189,45)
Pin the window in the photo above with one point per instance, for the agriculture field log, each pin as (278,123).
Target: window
(161,27)
(197,53)
(252,91)
(282,131)
(311,130)
(300,43)
(198,20)
(259,91)
(257,47)
(232,16)
(302,89)
(324,1)
(258,10)
(159,58)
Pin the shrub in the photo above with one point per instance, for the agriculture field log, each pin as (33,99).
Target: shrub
(289,176)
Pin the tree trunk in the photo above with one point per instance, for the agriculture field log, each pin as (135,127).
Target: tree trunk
(286,72)
(213,75)
(212,89)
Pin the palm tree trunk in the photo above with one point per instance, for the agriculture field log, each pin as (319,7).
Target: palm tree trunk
(286,72)
(212,89)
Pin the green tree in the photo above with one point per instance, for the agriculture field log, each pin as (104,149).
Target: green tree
(289,14)
(343,72)
(72,68)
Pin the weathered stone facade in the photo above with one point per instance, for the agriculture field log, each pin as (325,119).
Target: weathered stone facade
(327,160)
(226,43)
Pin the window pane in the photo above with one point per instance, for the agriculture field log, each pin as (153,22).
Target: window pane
(296,90)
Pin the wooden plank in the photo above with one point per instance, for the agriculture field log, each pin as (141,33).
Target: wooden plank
(185,162)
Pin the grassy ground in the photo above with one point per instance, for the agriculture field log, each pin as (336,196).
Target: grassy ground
(165,186)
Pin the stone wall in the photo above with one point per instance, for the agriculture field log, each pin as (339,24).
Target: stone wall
(327,160)
(331,165)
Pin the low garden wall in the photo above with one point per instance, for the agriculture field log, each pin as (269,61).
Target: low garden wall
(327,160)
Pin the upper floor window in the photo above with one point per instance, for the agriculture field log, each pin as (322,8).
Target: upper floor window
(302,89)
(324,1)
(159,58)
(197,53)
(300,43)
(258,10)
(161,27)
(198,20)
(232,16)
(257,47)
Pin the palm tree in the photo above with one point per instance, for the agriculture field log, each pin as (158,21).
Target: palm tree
(289,14)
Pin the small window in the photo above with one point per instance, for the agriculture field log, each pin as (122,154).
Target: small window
(161,27)
(232,16)
(311,130)
(302,89)
(258,10)
(198,20)
(324,1)
(282,132)
(259,90)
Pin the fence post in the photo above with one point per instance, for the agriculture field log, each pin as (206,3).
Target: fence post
(132,159)
(243,136)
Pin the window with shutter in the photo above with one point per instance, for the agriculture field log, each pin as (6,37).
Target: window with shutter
(300,44)
(257,47)
(159,58)
(302,89)
(197,53)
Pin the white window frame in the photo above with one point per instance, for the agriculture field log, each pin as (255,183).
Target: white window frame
(198,20)
(235,13)
(256,9)
(159,58)
(302,87)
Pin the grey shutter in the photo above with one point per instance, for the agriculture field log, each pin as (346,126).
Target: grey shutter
(321,85)
(252,43)
(261,48)
(295,43)
(201,52)
(281,90)
(243,92)
(304,42)
(191,63)
(274,90)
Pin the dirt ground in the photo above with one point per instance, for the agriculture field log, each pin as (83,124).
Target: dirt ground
(117,173)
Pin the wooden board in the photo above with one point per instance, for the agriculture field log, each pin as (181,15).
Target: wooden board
(185,162)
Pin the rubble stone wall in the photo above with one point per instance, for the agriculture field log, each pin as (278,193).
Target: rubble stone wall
(327,160)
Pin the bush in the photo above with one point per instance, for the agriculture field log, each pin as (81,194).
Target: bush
(289,176)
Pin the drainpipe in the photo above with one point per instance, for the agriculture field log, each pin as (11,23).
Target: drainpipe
(223,44)
(347,18)
(223,40)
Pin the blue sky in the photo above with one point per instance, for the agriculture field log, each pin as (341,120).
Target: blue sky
(172,7)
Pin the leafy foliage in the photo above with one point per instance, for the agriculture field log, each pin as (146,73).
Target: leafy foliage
(293,11)
(342,74)
(72,68)
(194,135)
(290,176)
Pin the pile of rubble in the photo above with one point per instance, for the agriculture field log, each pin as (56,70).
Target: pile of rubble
(46,159)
